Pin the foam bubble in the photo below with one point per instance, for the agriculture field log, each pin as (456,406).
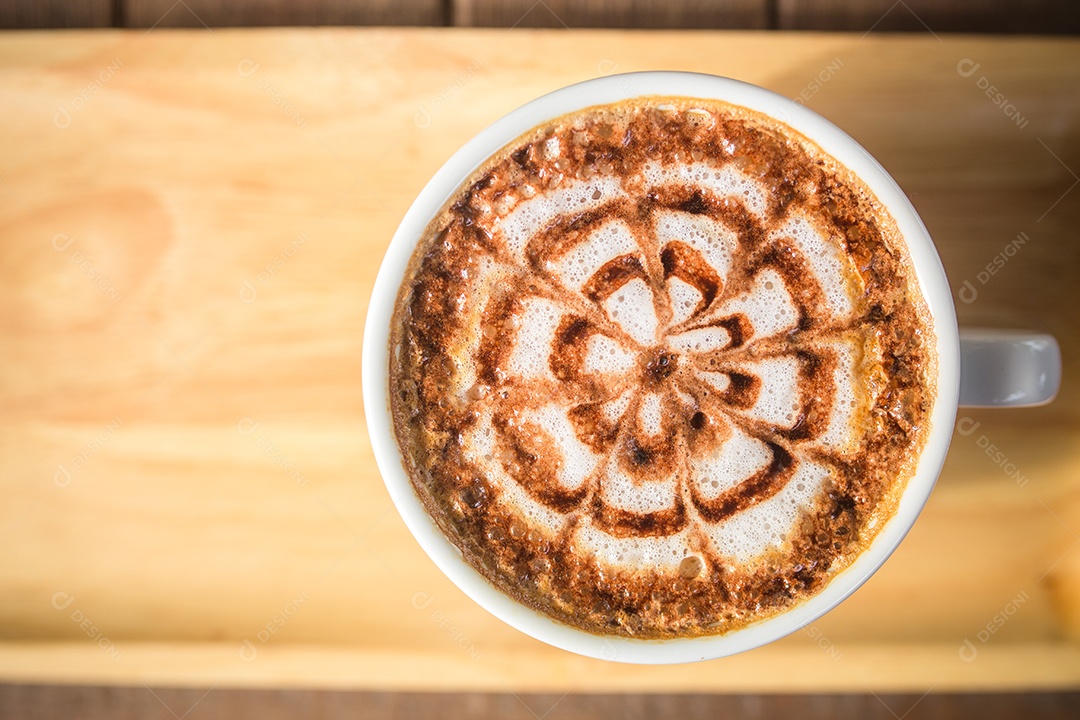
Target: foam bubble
(623,492)
(715,241)
(542,208)
(746,535)
(739,458)
(601,246)
(828,262)
(604,355)
(632,307)
(536,326)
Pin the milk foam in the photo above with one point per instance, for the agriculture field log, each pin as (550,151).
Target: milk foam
(719,380)
(768,306)
(631,553)
(578,461)
(534,340)
(633,308)
(725,181)
(604,244)
(684,299)
(829,264)
(519,226)
(853,398)
(746,535)
(715,241)
(604,355)
(614,409)
(623,492)
(738,459)
(650,414)
(778,402)
(701,340)
(514,498)
(480,448)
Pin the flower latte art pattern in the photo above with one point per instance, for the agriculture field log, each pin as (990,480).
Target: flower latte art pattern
(659,371)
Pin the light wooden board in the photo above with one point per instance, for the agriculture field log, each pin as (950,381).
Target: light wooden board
(190,226)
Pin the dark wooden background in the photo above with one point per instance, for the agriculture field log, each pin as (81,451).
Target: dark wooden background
(977,16)
(29,702)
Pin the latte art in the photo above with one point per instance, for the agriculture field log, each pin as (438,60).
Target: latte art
(661,368)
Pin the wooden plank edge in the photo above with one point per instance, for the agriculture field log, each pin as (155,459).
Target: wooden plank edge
(881,668)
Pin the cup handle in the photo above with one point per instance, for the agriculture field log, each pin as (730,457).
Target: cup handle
(1008,368)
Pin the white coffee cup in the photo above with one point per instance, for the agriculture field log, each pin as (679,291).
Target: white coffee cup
(976,368)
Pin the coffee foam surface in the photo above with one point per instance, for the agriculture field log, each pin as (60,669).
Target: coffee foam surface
(767,305)
(767,524)
(533,342)
(632,307)
(672,367)
(517,227)
(662,553)
(726,181)
(741,456)
(715,241)
(828,263)
(602,246)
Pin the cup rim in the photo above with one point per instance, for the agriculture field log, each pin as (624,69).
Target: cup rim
(599,91)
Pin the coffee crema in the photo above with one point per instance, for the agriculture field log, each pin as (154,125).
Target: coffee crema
(661,368)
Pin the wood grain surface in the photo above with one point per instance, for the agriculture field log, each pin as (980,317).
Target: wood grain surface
(190,226)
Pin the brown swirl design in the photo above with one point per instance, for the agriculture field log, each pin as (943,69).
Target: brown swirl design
(696,417)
